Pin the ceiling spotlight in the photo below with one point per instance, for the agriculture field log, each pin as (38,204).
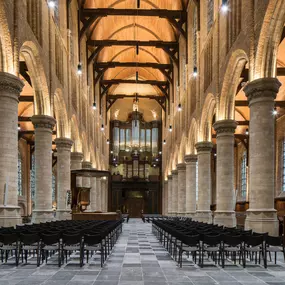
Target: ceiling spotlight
(225,6)
(164,141)
(116,165)
(215,154)
(19,127)
(141,150)
(108,141)
(111,152)
(195,71)
(246,132)
(94,106)
(275,112)
(114,159)
(51,3)
(170,128)
(154,165)
(160,152)
(79,69)
(179,108)
(156,159)
(102,127)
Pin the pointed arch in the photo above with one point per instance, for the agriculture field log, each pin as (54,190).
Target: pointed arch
(30,53)
(182,149)
(63,127)
(192,137)
(205,124)
(231,81)
(269,39)
(77,144)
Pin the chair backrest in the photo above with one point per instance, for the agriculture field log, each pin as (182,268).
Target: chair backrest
(274,241)
(252,240)
(212,240)
(91,239)
(8,238)
(49,239)
(29,239)
(71,239)
(232,240)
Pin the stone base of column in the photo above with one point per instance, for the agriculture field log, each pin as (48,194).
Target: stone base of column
(42,216)
(262,221)
(204,216)
(190,214)
(63,215)
(10,216)
(225,218)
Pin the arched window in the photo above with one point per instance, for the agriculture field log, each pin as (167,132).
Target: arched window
(243,175)
(20,175)
(33,178)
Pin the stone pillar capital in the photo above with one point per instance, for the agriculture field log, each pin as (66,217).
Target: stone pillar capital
(264,89)
(63,143)
(225,127)
(204,146)
(43,122)
(77,156)
(181,166)
(174,172)
(169,177)
(86,164)
(10,85)
(190,158)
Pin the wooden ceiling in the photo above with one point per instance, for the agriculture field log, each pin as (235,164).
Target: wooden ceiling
(133,27)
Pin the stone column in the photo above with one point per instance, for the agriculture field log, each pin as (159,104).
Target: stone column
(203,213)
(169,177)
(43,168)
(261,215)
(181,182)
(165,198)
(104,183)
(63,146)
(98,194)
(93,193)
(10,88)
(191,184)
(225,214)
(76,163)
(174,192)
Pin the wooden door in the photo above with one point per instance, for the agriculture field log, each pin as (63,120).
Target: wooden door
(135,206)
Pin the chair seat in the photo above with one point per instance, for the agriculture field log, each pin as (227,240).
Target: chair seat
(71,247)
(212,248)
(190,248)
(274,249)
(50,247)
(8,247)
(30,247)
(232,248)
(253,249)
(93,247)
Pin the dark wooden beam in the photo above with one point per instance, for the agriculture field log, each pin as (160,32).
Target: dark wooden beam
(177,18)
(242,123)
(282,38)
(171,48)
(101,67)
(26,98)
(122,96)
(237,136)
(280,71)
(24,119)
(244,103)
(24,72)
(31,132)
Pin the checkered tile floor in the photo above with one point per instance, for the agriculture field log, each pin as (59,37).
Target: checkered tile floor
(139,259)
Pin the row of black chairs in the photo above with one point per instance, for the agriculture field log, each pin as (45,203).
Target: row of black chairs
(182,235)
(61,237)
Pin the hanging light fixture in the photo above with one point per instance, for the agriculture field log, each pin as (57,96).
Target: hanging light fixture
(225,6)
(179,108)
(246,132)
(19,127)
(51,3)
(138,4)
(79,69)
(275,112)
(170,128)
(102,127)
(94,106)
(164,141)
(160,152)
(195,71)
(137,48)
(111,152)
(108,141)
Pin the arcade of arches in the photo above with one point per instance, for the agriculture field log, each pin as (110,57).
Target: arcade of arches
(182,101)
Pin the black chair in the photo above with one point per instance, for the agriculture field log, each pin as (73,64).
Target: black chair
(273,244)
(253,245)
(232,245)
(212,246)
(30,242)
(72,243)
(50,243)
(93,243)
(9,243)
(189,244)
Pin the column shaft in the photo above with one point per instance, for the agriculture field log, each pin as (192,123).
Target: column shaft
(43,165)
(191,184)
(174,192)
(225,214)
(93,193)
(261,215)
(98,194)
(10,88)
(76,163)
(203,213)
(181,181)
(165,198)
(63,146)
(169,195)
